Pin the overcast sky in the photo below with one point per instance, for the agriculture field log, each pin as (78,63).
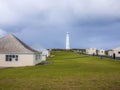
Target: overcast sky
(44,23)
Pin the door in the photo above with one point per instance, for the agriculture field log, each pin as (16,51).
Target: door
(114,55)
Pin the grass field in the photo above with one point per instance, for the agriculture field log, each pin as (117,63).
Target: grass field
(68,71)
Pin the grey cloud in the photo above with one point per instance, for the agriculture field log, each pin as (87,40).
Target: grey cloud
(45,22)
(62,11)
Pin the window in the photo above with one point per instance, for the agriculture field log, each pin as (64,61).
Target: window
(11,57)
(37,56)
(119,52)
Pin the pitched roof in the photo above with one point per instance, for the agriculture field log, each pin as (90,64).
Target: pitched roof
(11,44)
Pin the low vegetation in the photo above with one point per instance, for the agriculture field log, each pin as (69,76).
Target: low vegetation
(67,71)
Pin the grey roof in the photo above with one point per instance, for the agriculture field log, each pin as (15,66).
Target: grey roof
(11,44)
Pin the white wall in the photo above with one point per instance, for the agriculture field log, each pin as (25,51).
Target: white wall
(46,52)
(101,52)
(116,52)
(38,58)
(91,51)
(43,57)
(110,53)
(23,60)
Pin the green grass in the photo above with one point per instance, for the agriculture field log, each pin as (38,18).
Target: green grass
(68,71)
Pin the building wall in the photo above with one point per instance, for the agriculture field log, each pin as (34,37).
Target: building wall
(23,60)
(101,52)
(46,52)
(43,57)
(91,51)
(38,58)
(116,52)
(110,53)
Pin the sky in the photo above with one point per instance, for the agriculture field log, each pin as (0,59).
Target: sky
(43,23)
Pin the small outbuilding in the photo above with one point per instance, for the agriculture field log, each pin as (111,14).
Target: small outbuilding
(91,51)
(15,53)
(101,52)
(110,53)
(46,52)
(114,52)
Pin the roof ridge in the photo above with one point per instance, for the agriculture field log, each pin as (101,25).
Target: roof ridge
(20,46)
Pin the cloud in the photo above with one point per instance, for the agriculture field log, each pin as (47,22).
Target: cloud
(46,21)
(2,33)
(48,12)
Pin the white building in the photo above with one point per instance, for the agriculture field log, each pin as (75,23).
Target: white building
(15,53)
(101,52)
(45,54)
(114,52)
(91,51)
(110,53)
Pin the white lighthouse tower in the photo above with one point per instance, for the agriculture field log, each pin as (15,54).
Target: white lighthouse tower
(67,41)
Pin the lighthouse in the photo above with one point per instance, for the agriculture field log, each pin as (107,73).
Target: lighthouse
(67,41)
